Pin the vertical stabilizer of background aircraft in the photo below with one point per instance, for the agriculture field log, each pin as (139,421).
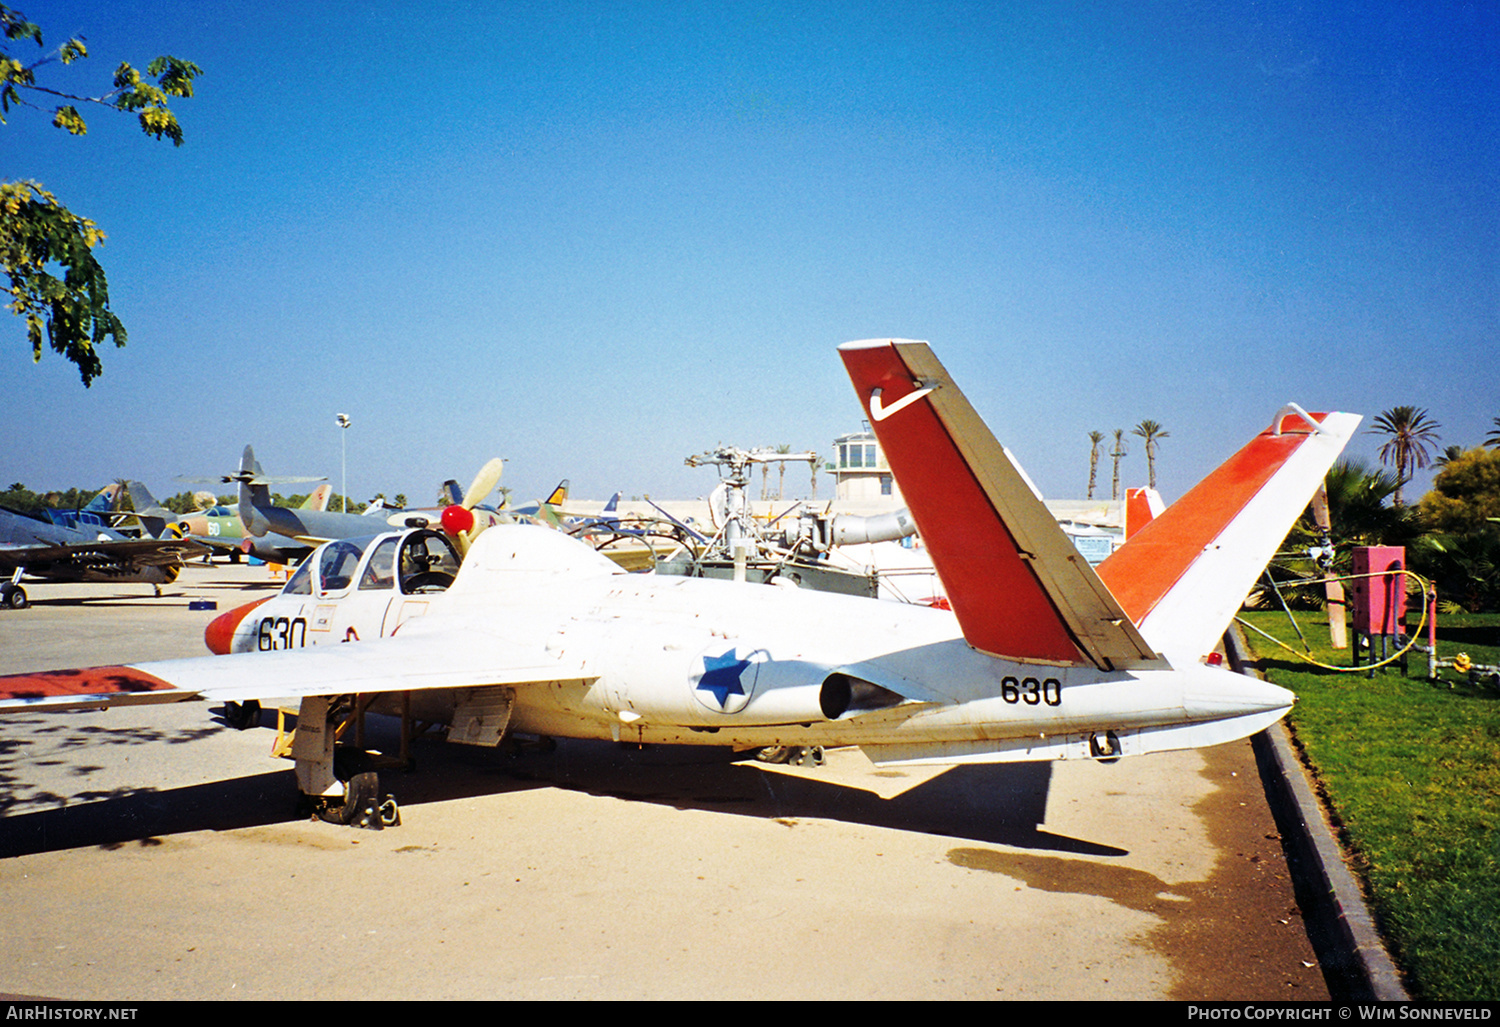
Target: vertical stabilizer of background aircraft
(1142,506)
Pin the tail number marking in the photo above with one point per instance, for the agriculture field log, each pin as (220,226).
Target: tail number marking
(281,633)
(1031,691)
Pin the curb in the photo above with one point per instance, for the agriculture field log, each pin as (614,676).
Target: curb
(1319,867)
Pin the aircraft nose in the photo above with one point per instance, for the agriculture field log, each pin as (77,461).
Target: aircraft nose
(219,635)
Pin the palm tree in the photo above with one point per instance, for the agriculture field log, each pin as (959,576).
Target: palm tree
(1357,508)
(1492,440)
(1095,437)
(1114,492)
(1153,434)
(1449,454)
(1359,514)
(1411,436)
(785,447)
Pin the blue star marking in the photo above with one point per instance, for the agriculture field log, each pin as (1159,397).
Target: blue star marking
(721,676)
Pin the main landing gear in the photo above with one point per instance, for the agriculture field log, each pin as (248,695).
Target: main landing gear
(338,776)
(340,783)
(362,805)
(12,596)
(796,755)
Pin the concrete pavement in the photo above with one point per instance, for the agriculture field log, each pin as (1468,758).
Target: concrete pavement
(152,852)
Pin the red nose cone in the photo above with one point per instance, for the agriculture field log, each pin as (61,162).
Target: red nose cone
(219,635)
(457,520)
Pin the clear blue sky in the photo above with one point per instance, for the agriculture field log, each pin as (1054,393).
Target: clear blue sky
(597,237)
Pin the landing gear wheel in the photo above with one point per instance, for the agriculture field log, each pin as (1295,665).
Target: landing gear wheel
(242,715)
(796,755)
(360,807)
(13,596)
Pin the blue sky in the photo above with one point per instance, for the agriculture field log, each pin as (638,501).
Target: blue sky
(595,238)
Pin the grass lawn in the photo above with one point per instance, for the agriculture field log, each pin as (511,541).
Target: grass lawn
(1411,772)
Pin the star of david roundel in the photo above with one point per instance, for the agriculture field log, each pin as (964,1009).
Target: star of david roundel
(725,679)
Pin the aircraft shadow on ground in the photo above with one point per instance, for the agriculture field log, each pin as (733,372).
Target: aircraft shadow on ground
(1001,804)
(143,816)
(142,600)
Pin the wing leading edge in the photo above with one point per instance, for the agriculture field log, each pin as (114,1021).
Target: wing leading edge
(405,663)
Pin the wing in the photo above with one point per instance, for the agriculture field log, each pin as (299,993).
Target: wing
(403,663)
(143,552)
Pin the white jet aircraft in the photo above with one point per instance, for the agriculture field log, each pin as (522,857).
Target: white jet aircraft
(1041,657)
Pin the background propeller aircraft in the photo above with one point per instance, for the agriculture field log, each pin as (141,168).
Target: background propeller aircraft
(103,511)
(463,516)
(56,552)
(1040,658)
(219,528)
(308,527)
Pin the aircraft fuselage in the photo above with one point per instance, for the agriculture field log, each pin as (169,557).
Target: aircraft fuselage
(648,659)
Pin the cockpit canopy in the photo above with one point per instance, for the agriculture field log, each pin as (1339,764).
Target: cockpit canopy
(415,562)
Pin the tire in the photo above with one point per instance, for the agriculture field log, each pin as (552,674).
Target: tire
(241,716)
(361,806)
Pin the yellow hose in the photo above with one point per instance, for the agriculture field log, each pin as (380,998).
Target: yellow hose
(1427,590)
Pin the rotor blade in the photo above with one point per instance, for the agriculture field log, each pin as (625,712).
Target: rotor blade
(248,479)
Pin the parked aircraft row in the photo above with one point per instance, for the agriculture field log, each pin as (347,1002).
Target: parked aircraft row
(85,551)
(532,632)
(90,544)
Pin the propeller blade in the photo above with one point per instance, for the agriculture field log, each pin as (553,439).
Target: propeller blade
(484,482)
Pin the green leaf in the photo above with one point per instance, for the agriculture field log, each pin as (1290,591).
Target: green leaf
(17,27)
(38,233)
(55,285)
(68,118)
